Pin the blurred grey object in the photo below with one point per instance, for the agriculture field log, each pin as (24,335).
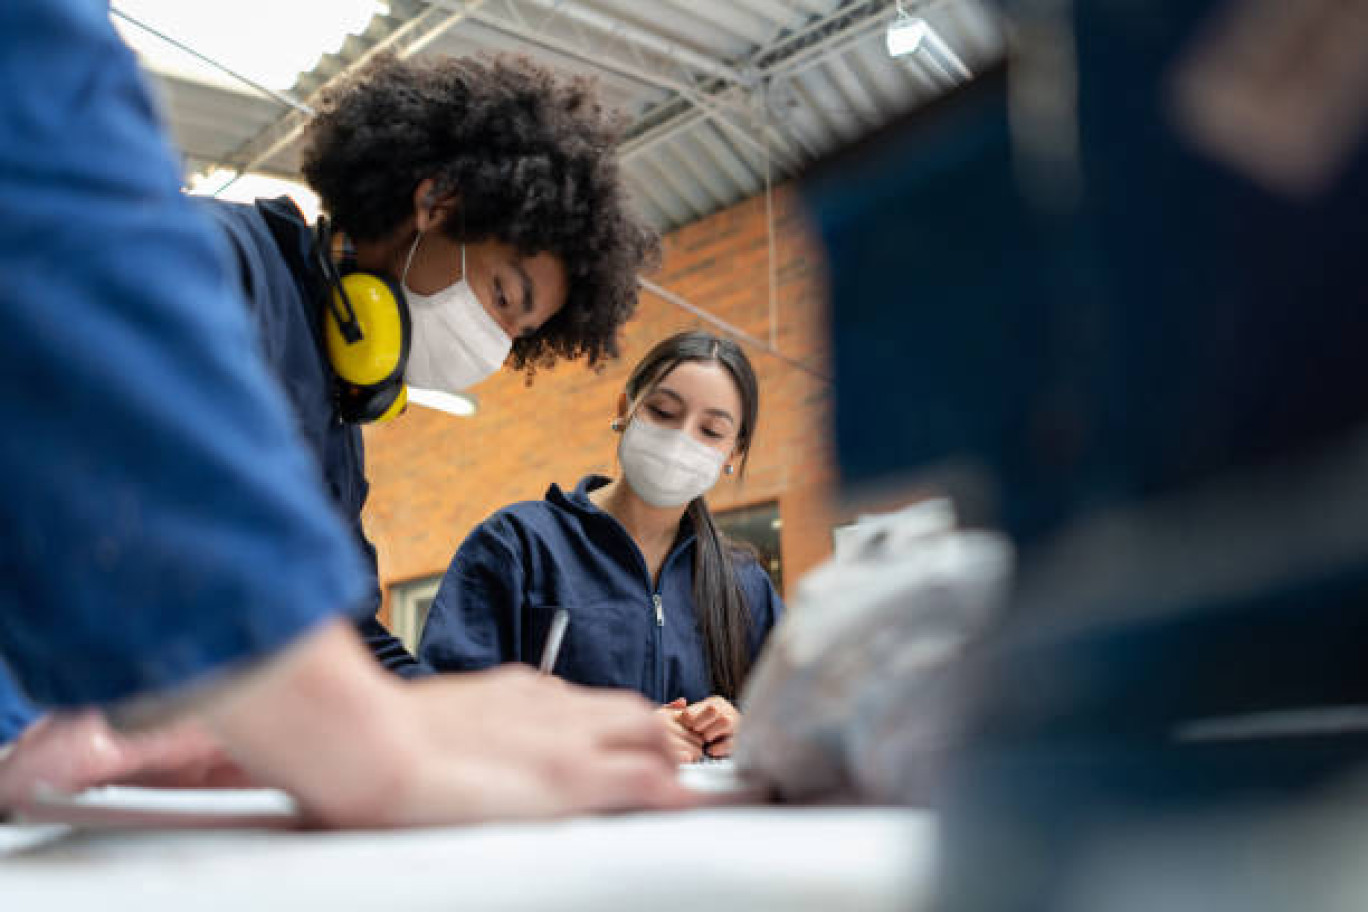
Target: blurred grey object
(853,698)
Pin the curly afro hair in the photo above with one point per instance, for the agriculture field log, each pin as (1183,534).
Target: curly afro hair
(531,160)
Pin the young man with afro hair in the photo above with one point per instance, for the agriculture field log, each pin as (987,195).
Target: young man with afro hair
(490,174)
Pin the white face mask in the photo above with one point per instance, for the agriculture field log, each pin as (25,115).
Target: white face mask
(667,468)
(456,343)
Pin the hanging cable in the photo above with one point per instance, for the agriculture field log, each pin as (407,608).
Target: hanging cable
(281,97)
(769,230)
(740,334)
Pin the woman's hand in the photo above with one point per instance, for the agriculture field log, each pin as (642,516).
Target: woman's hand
(687,747)
(716,722)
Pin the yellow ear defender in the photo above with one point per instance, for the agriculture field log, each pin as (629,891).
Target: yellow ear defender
(366,332)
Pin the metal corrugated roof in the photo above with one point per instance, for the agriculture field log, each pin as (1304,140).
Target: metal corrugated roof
(209,122)
(716,91)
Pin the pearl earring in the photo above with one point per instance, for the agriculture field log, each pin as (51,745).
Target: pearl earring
(728,469)
(617,424)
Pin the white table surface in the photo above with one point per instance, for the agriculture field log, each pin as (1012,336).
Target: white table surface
(846,859)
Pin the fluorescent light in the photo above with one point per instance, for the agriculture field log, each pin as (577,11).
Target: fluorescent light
(460,404)
(905,36)
(910,35)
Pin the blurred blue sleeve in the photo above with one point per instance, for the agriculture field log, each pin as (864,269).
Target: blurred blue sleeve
(161,519)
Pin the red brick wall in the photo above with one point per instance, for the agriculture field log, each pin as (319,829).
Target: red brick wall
(434,476)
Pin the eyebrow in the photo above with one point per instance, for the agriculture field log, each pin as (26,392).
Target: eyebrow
(714,412)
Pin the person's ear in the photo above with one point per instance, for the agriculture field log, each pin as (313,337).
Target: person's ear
(429,210)
(619,423)
(733,459)
(425,204)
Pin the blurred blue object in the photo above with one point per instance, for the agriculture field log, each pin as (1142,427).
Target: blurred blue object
(1178,322)
(1158,384)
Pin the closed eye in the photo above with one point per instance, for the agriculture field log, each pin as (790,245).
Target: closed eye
(529,298)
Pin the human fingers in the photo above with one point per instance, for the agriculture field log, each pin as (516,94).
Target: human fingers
(68,752)
(721,727)
(699,716)
(726,722)
(722,747)
(688,747)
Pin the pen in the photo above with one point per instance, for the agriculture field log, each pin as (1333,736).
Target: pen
(553,640)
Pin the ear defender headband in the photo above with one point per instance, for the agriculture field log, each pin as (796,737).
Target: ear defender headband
(366,332)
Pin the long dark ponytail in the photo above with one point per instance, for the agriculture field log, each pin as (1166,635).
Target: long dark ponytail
(724,617)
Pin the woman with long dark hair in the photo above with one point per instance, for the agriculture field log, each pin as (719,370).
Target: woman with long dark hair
(659,600)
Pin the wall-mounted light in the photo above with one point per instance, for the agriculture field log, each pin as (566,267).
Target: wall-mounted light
(911,35)
(462,405)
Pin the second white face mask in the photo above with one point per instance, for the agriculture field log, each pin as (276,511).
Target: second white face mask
(665,467)
(456,343)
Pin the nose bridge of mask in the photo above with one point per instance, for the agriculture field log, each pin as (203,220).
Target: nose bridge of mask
(493,336)
(689,442)
(462,322)
(676,449)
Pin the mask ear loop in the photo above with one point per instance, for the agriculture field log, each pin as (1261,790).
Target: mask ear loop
(635,407)
(431,201)
(465,277)
(620,425)
(413,248)
(408,261)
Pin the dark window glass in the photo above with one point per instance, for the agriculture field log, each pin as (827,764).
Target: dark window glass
(759,526)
